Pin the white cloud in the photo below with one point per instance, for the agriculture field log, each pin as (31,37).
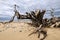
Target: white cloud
(26,5)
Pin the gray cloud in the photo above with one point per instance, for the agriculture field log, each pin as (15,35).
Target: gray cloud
(26,5)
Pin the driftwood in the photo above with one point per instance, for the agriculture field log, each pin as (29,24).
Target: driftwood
(36,18)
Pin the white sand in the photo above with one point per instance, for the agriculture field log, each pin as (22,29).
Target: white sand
(20,31)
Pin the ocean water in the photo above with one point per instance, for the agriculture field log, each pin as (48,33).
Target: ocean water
(6,19)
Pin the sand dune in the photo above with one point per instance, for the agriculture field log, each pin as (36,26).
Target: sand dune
(20,31)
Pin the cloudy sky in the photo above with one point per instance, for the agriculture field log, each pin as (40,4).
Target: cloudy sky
(7,6)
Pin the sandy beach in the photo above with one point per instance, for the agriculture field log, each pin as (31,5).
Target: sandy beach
(20,31)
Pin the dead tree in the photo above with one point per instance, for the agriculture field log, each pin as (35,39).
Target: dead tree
(35,17)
